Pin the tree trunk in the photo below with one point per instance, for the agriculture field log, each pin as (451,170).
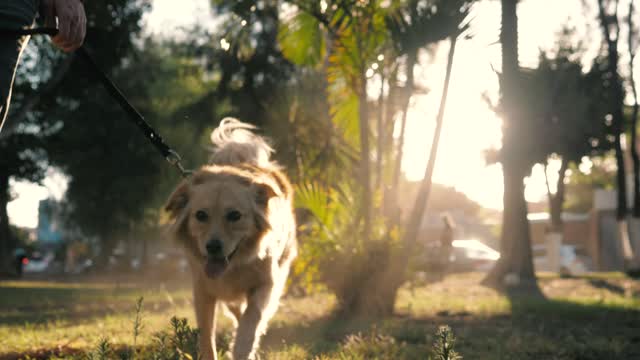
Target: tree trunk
(383,273)
(391,106)
(417,213)
(363,108)
(395,275)
(634,117)
(609,23)
(380,135)
(107,245)
(556,203)
(408,91)
(515,245)
(633,264)
(636,161)
(5,231)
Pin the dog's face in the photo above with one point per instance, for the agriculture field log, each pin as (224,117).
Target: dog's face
(221,217)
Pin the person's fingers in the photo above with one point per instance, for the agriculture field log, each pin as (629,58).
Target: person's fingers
(74,34)
(49,14)
(71,24)
(77,26)
(82,26)
(62,39)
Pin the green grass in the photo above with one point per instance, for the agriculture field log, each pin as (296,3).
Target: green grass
(596,317)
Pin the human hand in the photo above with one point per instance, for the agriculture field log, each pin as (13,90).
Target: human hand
(71,24)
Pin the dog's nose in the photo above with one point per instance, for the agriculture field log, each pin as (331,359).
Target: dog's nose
(214,247)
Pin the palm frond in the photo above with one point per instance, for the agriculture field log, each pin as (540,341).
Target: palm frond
(301,39)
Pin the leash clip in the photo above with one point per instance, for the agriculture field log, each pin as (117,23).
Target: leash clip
(174,159)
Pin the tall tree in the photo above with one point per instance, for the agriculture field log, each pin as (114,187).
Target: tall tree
(414,26)
(355,38)
(355,34)
(515,243)
(23,139)
(89,138)
(610,26)
(417,212)
(632,46)
(567,129)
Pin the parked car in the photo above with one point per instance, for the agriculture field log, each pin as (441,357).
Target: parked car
(471,255)
(38,262)
(466,255)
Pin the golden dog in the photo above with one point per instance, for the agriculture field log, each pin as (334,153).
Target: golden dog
(235,220)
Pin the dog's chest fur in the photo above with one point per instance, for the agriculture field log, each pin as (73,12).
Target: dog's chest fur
(236,282)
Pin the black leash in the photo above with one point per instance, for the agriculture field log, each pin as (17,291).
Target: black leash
(156,140)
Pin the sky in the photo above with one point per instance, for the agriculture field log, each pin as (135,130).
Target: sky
(469,125)
(469,128)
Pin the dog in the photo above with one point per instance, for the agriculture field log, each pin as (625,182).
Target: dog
(234,217)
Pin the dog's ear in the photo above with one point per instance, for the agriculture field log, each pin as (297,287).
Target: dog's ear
(264,191)
(178,200)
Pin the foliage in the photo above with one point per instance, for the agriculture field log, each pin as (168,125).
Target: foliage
(347,42)
(302,40)
(51,82)
(584,180)
(417,24)
(445,343)
(368,346)
(564,109)
(102,351)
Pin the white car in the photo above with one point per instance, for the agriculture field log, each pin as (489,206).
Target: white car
(37,264)
(472,255)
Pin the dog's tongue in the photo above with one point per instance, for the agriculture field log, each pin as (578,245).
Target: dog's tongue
(215,267)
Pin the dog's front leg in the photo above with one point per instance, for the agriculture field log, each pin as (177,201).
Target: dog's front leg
(253,323)
(205,306)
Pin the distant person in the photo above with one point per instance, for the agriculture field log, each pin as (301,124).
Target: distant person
(446,238)
(20,14)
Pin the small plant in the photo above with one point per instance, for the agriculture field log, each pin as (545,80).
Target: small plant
(445,342)
(131,352)
(101,351)
(161,348)
(371,346)
(137,322)
(180,342)
(184,339)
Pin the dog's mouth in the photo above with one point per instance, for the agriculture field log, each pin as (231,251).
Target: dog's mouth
(216,266)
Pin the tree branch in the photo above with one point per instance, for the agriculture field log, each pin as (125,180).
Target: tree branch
(33,101)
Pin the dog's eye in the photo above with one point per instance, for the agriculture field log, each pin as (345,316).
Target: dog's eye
(233,215)
(202,216)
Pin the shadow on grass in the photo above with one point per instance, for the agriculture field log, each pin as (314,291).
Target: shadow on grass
(531,328)
(36,304)
(536,328)
(604,284)
(33,304)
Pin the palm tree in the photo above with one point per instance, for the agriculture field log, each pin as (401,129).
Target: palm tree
(356,35)
(414,27)
(422,28)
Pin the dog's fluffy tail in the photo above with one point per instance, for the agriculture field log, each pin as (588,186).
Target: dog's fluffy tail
(235,143)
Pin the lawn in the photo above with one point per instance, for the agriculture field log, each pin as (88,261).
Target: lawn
(595,317)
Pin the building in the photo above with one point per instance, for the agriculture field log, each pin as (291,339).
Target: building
(49,228)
